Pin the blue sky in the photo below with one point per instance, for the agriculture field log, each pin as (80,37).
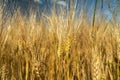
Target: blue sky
(89,4)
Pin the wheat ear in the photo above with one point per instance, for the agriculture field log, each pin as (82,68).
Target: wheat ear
(95,65)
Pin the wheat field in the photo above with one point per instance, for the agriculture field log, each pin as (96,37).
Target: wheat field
(58,48)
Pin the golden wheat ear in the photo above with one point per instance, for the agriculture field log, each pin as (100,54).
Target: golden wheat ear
(96,72)
(60,49)
(67,45)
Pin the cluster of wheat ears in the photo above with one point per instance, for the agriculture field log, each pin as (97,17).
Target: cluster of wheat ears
(58,48)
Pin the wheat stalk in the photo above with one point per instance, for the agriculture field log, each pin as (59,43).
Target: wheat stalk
(117,33)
